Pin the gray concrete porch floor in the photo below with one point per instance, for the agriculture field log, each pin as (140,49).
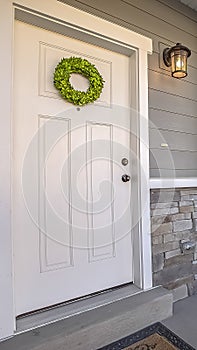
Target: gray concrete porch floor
(183,323)
(184,320)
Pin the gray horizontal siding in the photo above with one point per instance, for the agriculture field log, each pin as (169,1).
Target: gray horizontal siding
(172,121)
(180,8)
(156,8)
(171,174)
(167,159)
(172,102)
(176,87)
(178,141)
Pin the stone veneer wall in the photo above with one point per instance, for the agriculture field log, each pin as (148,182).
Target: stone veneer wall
(174,218)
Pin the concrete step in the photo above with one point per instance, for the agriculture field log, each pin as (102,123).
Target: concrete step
(117,320)
(95,328)
(69,309)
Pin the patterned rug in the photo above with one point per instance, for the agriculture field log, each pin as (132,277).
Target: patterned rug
(155,337)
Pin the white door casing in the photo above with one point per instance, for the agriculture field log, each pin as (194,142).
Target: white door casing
(71,209)
(67,17)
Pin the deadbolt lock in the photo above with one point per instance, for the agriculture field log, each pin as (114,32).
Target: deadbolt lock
(124,161)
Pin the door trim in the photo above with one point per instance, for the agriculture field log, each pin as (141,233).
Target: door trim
(118,38)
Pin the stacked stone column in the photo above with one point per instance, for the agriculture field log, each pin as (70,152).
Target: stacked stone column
(173,219)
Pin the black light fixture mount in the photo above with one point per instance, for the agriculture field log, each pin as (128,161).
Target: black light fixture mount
(176,57)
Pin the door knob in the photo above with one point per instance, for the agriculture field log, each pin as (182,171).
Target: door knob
(126,178)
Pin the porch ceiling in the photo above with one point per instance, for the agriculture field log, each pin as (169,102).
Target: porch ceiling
(190,3)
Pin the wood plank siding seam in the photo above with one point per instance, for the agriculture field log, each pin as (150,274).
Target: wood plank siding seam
(180,8)
(121,21)
(167,74)
(173,150)
(172,94)
(172,130)
(171,112)
(165,21)
(166,110)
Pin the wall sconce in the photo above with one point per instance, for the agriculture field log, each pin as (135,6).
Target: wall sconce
(176,57)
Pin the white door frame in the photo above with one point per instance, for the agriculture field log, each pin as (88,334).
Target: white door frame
(60,14)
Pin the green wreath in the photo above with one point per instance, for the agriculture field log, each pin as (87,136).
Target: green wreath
(68,66)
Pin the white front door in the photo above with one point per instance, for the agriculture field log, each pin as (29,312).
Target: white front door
(71,209)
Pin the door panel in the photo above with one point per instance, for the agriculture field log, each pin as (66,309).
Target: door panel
(50,55)
(101,226)
(56,246)
(71,210)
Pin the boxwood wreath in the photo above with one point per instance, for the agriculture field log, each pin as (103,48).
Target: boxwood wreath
(62,74)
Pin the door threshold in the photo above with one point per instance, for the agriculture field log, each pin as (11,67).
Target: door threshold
(63,311)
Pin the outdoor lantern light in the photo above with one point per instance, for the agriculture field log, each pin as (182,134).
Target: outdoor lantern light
(176,57)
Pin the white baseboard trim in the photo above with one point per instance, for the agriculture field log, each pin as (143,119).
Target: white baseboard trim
(172,183)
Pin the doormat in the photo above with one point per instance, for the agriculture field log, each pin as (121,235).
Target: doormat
(154,337)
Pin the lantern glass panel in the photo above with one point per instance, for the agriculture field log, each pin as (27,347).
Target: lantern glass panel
(179,63)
